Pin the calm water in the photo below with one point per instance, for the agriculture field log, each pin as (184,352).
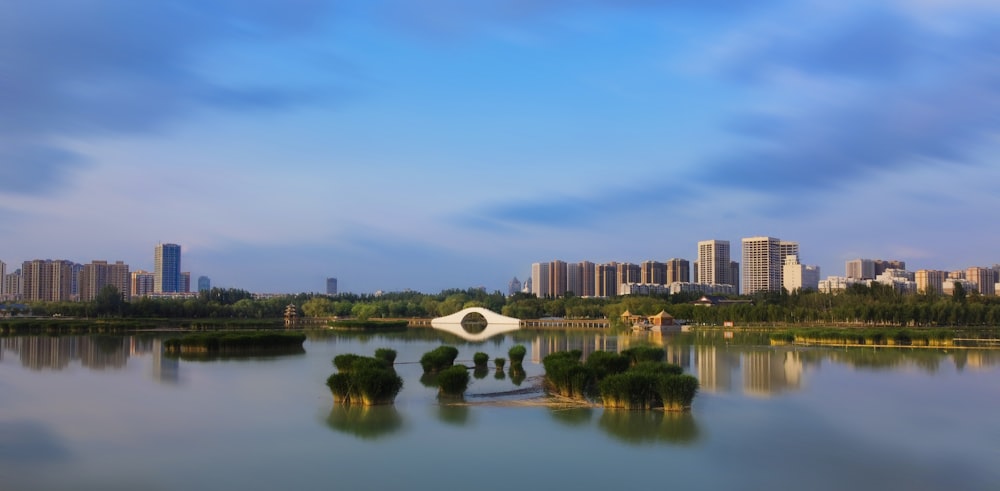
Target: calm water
(110,413)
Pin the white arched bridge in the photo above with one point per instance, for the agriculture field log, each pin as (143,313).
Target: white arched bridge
(495,324)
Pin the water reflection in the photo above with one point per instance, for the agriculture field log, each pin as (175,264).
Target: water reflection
(56,353)
(29,441)
(365,422)
(577,416)
(453,414)
(647,427)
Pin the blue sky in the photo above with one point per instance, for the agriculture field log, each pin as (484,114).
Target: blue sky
(444,143)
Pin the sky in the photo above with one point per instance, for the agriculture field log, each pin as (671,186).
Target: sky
(433,144)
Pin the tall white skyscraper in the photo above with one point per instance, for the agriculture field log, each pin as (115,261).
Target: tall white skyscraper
(714,262)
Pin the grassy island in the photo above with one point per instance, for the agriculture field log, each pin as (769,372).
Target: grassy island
(236,343)
(363,380)
(635,379)
(868,337)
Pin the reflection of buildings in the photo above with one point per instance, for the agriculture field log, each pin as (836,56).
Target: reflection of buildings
(56,353)
(766,373)
(165,369)
(715,368)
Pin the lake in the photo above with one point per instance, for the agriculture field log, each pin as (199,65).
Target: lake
(113,413)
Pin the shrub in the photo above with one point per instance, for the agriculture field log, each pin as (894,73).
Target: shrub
(516,354)
(453,381)
(386,354)
(480,359)
(439,358)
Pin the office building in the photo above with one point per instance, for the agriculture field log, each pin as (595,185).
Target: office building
(205,284)
(47,280)
(99,274)
(678,271)
(930,280)
(734,276)
(761,265)
(185,286)
(713,266)
(167,268)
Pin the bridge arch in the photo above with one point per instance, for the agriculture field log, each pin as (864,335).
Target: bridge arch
(495,323)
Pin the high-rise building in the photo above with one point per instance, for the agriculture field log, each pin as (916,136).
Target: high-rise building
(185,282)
(540,279)
(331,286)
(606,280)
(797,276)
(678,271)
(761,264)
(3,274)
(734,275)
(167,268)
(99,274)
(587,279)
(141,283)
(982,278)
(882,264)
(47,280)
(557,278)
(13,285)
(654,272)
(205,284)
(513,287)
(574,279)
(860,269)
(713,262)
(930,280)
(627,273)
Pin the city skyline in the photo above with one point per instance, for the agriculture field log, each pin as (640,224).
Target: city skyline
(429,145)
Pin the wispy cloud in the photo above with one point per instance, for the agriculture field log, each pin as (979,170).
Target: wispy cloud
(109,67)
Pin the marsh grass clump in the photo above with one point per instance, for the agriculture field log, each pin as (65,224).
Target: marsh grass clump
(635,389)
(387,355)
(480,359)
(453,381)
(645,353)
(566,375)
(516,354)
(677,391)
(499,362)
(439,358)
(604,363)
(363,380)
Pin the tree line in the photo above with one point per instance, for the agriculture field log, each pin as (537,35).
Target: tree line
(864,305)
